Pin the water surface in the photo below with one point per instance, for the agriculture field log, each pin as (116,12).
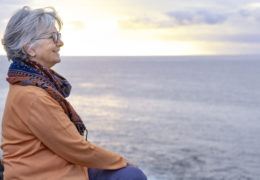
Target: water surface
(190,118)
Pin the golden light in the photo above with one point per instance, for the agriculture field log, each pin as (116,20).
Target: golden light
(92,29)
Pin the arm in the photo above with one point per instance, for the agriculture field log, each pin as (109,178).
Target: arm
(51,125)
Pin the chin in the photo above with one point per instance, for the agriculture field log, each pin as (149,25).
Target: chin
(55,62)
(58,60)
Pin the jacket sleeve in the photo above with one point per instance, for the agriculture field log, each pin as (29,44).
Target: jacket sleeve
(51,125)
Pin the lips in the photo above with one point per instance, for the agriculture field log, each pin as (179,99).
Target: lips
(57,51)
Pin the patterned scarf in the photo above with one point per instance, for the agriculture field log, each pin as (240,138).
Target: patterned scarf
(31,73)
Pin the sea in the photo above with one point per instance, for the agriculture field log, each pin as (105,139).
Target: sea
(175,117)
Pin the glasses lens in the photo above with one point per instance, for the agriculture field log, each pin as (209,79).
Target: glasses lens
(55,38)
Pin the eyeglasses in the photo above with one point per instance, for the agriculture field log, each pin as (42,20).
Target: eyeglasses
(56,36)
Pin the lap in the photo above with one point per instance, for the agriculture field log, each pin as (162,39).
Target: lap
(126,173)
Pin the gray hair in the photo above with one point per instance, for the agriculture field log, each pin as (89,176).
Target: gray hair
(24,26)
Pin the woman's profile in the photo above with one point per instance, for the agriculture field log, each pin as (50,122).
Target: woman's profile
(43,137)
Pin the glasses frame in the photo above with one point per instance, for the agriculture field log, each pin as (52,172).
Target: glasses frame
(56,36)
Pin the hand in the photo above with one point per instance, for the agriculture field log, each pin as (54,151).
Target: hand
(131,164)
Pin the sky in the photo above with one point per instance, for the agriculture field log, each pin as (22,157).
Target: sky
(151,27)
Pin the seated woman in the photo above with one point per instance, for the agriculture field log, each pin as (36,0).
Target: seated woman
(42,135)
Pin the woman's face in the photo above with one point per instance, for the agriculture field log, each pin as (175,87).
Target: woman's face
(46,52)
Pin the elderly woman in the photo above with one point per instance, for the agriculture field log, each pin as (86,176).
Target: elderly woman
(42,135)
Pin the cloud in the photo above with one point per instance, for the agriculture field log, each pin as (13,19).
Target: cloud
(175,18)
(254,5)
(239,38)
(196,17)
(251,12)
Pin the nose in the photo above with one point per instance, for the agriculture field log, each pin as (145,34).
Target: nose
(60,43)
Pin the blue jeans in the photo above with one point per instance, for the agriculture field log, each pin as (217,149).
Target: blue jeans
(126,173)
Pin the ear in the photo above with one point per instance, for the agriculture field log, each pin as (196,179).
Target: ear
(29,51)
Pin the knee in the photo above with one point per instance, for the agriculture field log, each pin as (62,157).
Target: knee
(127,173)
(133,173)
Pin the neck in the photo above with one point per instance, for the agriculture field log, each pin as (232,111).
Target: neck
(46,65)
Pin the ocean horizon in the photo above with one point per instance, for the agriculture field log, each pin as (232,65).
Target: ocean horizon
(176,117)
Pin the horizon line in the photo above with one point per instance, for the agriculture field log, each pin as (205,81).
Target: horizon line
(153,55)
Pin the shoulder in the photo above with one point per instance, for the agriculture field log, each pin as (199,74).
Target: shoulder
(27,92)
(28,95)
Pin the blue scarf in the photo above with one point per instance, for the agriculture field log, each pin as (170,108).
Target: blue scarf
(31,73)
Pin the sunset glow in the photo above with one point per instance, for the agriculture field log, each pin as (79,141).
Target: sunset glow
(151,28)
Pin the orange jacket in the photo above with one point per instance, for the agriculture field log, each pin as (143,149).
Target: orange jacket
(40,142)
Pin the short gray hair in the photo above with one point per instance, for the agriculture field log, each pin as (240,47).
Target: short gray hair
(25,25)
